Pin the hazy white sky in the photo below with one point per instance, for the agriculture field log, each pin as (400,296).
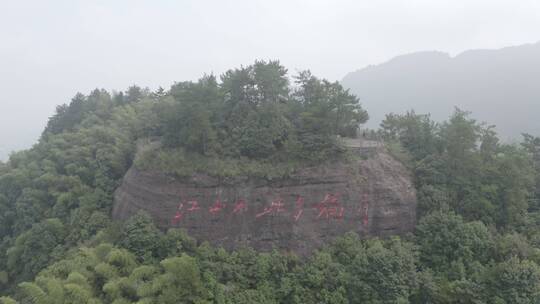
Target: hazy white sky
(49,50)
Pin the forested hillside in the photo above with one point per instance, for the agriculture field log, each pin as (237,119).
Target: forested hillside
(477,238)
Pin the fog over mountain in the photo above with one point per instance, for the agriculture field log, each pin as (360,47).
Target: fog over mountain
(501,87)
(53,49)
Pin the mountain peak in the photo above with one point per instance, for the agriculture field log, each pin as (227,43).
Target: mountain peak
(499,86)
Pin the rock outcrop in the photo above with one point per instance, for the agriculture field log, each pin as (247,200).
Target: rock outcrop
(372,197)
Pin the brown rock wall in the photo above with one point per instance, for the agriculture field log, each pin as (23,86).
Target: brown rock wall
(373,197)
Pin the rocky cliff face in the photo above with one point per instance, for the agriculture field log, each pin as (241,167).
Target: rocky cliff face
(372,197)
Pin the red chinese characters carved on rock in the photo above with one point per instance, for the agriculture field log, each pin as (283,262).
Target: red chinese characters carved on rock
(193,206)
(330,208)
(217,207)
(240,206)
(275,207)
(299,209)
(178,215)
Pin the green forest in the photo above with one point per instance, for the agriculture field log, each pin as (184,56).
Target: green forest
(477,238)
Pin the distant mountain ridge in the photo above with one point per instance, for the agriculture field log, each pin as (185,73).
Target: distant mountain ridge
(500,87)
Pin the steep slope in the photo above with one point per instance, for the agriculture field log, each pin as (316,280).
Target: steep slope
(498,86)
(373,197)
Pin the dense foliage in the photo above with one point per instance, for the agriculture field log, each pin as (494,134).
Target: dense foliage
(477,239)
(252,122)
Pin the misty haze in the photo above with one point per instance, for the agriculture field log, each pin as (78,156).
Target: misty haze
(248,152)
(499,87)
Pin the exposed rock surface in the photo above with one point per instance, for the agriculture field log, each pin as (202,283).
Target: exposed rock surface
(373,197)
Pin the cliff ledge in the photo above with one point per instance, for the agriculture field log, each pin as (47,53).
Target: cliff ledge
(373,196)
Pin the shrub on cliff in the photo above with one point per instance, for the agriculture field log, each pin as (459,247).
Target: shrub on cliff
(254,112)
